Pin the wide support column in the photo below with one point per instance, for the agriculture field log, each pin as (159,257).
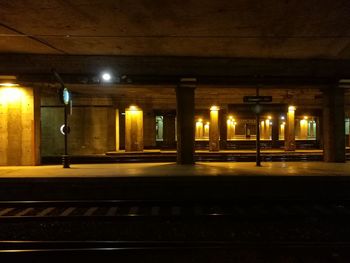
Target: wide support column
(334,125)
(275,130)
(289,137)
(214,132)
(169,131)
(133,129)
(223,128)
(117,137)
(185,121)
(19,126)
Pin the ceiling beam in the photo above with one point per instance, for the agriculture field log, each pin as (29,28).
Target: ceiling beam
(175,67)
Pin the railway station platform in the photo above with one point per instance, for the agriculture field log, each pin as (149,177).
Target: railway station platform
(168,181)
(227,169)
(157,155)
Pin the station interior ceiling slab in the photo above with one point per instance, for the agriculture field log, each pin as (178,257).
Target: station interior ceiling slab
(199,28)
(164,97)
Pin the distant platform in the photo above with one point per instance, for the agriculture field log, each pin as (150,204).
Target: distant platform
(200,156)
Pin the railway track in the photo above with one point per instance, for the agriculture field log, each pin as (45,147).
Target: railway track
(169,251)
(11,210)
(53,216)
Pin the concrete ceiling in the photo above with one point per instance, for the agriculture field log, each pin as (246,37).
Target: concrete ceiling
(226,28)
(163,96)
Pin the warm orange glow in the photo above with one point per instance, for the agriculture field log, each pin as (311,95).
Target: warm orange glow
(291,108)
(281,131)
(133,108)
(214,108)
(11,95)
(305,117)
(206,130)
(9,84)
(303,129)
(133,129)
(269,117)
(199,129)
(231,128)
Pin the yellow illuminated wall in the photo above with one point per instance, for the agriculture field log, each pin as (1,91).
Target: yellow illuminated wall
(303,129)
(206,131)
(289,138)
(19,126)
(133,129)
(213,132)
(281,131)
(231,128)
(199,129)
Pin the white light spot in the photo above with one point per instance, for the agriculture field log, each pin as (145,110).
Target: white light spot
(106,76)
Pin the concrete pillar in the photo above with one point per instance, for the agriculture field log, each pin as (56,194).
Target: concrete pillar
(185,121)
(223,128)
(267,129)
(19,126)
(149,126)
(319,131)
(117,137)
(121,109)
(169,131)
(262,130)
(303,123)
(289,137)
(133,129)
(334,125)
(214,132)
(275,130)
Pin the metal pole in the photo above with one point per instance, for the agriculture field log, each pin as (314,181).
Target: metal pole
(65,158)
(257,131)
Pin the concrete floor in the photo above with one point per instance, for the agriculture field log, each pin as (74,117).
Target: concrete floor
(171,169)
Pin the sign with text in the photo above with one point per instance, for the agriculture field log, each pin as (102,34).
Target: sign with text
(256,99)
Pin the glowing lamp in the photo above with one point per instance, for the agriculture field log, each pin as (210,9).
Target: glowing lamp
(291,108)
(106,77)
(8,84)
(133,108)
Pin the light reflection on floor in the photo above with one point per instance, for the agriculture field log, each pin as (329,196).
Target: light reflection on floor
(171,169)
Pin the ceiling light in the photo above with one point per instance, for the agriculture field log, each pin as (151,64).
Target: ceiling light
(106,77)
(8,84)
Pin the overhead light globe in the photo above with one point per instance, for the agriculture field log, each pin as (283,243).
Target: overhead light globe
(106,76)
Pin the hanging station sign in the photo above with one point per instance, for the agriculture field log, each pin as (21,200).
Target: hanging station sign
(256,99)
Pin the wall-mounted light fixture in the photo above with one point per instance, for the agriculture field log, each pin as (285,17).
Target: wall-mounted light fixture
(291,108)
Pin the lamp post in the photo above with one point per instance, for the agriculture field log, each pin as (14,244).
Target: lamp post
(257,112)
(66,100)
(257,109)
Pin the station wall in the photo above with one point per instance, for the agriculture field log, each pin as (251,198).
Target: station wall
(19,126)
(92,130)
